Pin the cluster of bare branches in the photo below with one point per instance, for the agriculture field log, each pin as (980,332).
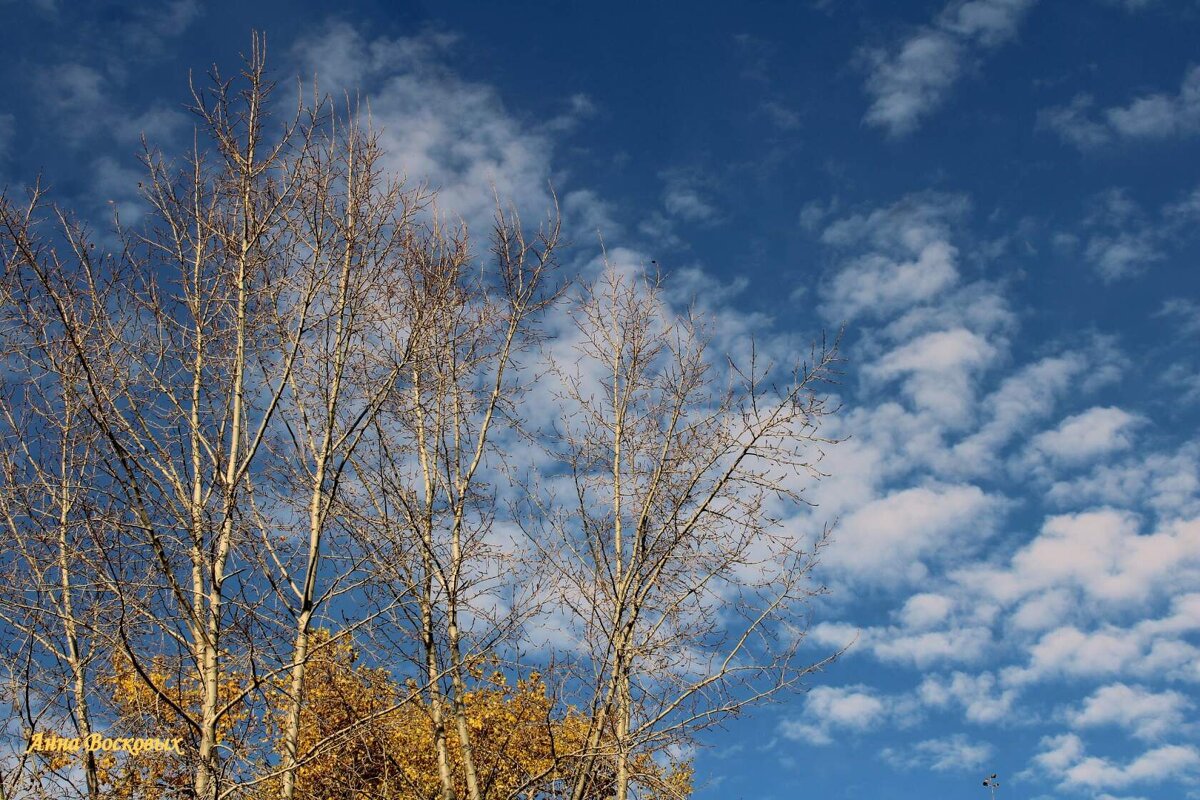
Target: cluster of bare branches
(282,402)
(685,588)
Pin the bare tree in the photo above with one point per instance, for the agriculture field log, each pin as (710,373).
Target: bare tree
(337,325)
(276,405)
(278,310)
(433,505)
(666,529)
(160,342)
(48,610)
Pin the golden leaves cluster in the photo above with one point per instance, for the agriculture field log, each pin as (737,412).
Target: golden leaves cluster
(366,734)
(148,705)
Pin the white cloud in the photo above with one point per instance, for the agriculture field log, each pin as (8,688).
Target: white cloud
(579,107)
(1151,117)
(947,754)
(1121,240)
(1166,482)
(1064,757)
(1123,254)
(1146,714)
(908,225)
(835,634)
(1072,652)
(1059,752)
(1182,377)
(1042,611)
(888,542)
(937,352)
(116,183)
(1086,436)
(340,58)
(968,644)
(1080,601)
(1074,603)
(1074,123)
(988,22)
(909,81)
(436,127)
(590,213)
(956,643)
(686,196)
(781,116)
(83,104)
(829,710)
(903,256)
(167,20)
(979,696)
(938,336)
(1184,313)
(925,610)
(1100,554)
(72,92)
(938,371)
(900,265)
(1160,116)
(980,307)
(1021,399)
(1150,649)
(876,285)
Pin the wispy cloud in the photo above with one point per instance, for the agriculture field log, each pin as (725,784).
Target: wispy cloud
(946,754)
(756,55)
(1085,436)
(1184,312)
(1100,554)
(436,126)
(910,80)
(909,527)
(909,257)
(7,131)
(1119,239)
(980,696)
(687,195)
(88,106)
(1152,117)
(1145,714)
(1096,593)
(1065,758)
(830,711)
(1131,5)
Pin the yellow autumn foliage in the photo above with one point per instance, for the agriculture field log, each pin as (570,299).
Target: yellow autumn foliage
(380,738)
(365,735)
(143,711)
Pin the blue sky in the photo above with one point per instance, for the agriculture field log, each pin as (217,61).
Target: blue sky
(1000,200)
